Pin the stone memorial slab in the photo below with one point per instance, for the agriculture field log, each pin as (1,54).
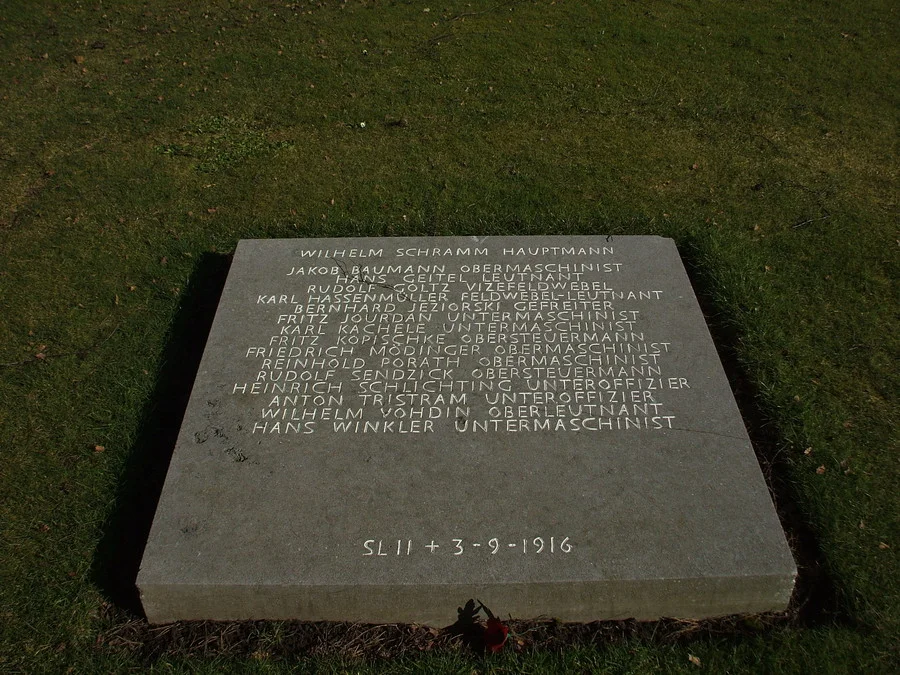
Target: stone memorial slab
(383,428)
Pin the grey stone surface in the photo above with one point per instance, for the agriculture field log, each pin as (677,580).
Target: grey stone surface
(381,429)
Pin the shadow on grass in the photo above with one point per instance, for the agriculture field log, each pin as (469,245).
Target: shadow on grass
(815,600)
(118,556)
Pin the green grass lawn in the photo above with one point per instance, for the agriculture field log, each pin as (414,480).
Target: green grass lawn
(140,141)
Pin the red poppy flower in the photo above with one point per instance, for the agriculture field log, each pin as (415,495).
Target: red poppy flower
(495,634)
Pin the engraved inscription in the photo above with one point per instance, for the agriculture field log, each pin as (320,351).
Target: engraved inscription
(368,341)
(457,547)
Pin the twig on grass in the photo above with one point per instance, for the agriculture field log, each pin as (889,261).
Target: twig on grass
(811,220)
(485,11)
(458,17)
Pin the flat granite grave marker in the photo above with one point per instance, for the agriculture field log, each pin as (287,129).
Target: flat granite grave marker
(383,428)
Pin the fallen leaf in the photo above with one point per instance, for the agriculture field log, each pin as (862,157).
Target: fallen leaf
(79,60)
(883,546)
(163,261)
(808,451)
(40,355)
(211,210)
(694,659)
(99,448)
(862,524)
(695,166)
(821,470)
(43,527)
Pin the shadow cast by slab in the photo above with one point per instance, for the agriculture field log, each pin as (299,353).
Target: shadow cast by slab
(816,598)
(118,555)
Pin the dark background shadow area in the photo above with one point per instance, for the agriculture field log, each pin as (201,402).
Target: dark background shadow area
(816,599)
(118,555)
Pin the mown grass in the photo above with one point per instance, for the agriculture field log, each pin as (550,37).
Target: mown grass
(137,139)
